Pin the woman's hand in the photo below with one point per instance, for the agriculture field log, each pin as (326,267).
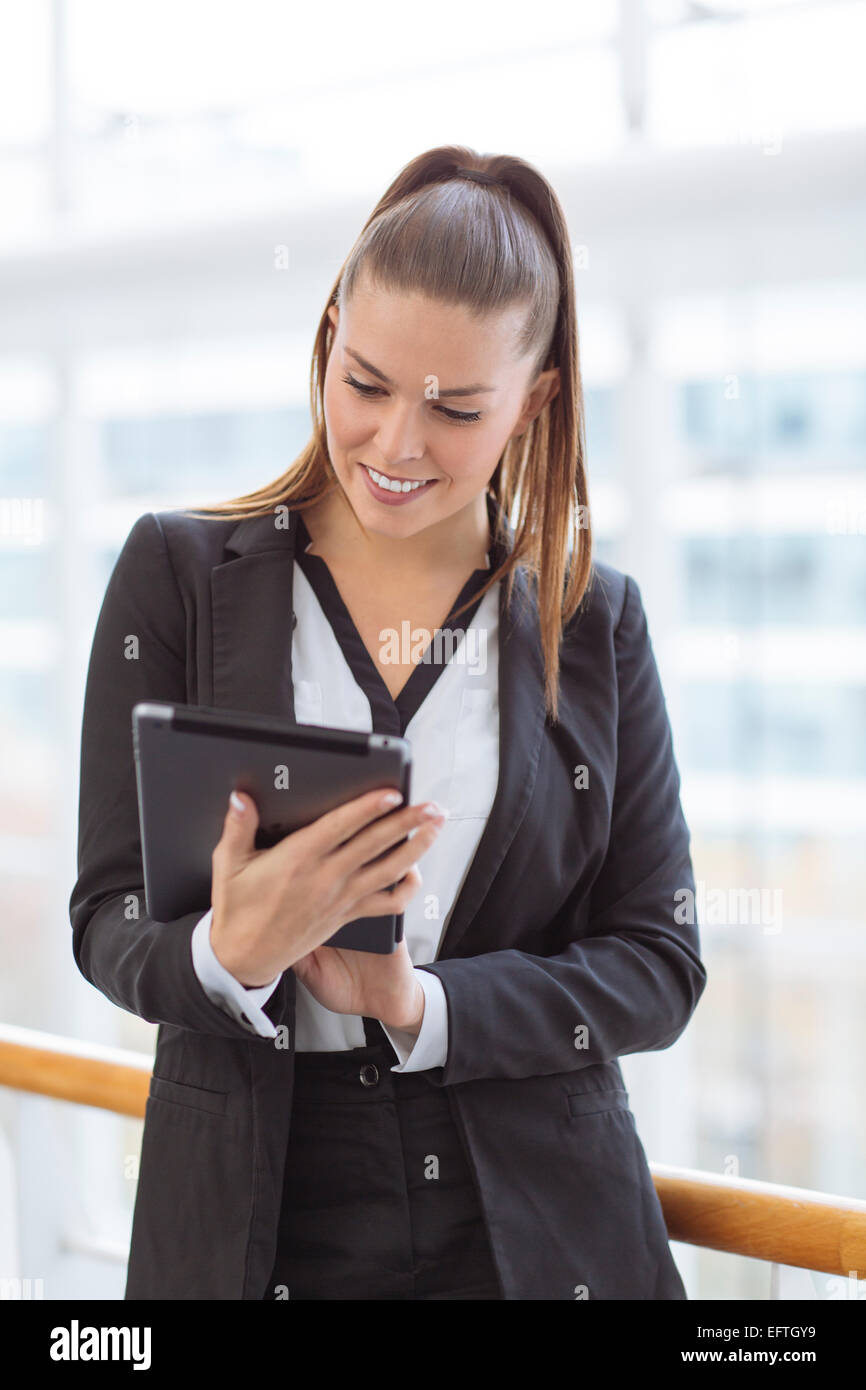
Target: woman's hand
(274,907)
(360,982)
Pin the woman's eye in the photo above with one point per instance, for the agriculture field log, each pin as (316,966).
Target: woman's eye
(359,386)
(457,416)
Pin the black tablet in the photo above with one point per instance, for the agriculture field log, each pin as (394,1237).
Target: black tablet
(187,760)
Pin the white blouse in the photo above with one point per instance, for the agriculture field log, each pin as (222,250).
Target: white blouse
(454,734)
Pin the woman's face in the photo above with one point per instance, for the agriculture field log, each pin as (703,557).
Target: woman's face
(419,391)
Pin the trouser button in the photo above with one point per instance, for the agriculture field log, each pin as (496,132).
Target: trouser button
(369,1074)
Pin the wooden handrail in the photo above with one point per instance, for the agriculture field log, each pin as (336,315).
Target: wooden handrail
(786,1225)
(764,1221)
(108,1078)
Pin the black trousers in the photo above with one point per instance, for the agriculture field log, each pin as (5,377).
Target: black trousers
(379,1200)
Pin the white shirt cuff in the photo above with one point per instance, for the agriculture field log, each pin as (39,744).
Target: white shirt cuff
(221,987)
(430,1047)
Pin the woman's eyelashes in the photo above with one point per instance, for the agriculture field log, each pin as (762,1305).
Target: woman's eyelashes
(458,417)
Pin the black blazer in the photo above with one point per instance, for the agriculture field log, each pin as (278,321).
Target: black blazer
(563,951)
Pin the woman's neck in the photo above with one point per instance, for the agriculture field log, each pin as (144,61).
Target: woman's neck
(460,542)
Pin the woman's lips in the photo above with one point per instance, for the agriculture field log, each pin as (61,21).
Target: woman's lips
(395,499)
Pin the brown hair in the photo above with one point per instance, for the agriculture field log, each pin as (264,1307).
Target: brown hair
(484,245)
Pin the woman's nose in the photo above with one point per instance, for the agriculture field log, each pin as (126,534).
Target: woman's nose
(400,436)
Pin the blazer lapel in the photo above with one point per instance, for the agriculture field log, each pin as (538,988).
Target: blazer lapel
(251,600)
(252,671)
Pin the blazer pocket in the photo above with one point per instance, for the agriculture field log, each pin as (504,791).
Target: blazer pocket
(596,1102)
(193,1097)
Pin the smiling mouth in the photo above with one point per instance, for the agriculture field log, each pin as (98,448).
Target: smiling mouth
(396,484)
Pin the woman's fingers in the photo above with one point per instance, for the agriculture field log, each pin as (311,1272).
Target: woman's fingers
(375,877)
(332,829)
(382,904)
(276,905)
(376,839)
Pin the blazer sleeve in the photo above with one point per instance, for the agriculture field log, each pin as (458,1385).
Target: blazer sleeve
(630,981)
(138,653)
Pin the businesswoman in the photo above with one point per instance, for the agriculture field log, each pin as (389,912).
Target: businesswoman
(450,1121)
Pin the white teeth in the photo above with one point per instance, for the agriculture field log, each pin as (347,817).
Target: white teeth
(392,485)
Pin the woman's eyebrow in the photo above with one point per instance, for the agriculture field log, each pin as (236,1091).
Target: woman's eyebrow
(452,391)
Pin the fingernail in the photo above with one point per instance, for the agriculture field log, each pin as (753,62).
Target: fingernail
(391,799)
(237,804)
(435,811)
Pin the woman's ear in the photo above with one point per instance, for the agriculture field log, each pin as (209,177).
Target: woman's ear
(334,315)
(544,388)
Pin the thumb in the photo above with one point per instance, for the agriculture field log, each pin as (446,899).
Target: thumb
(240,826)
